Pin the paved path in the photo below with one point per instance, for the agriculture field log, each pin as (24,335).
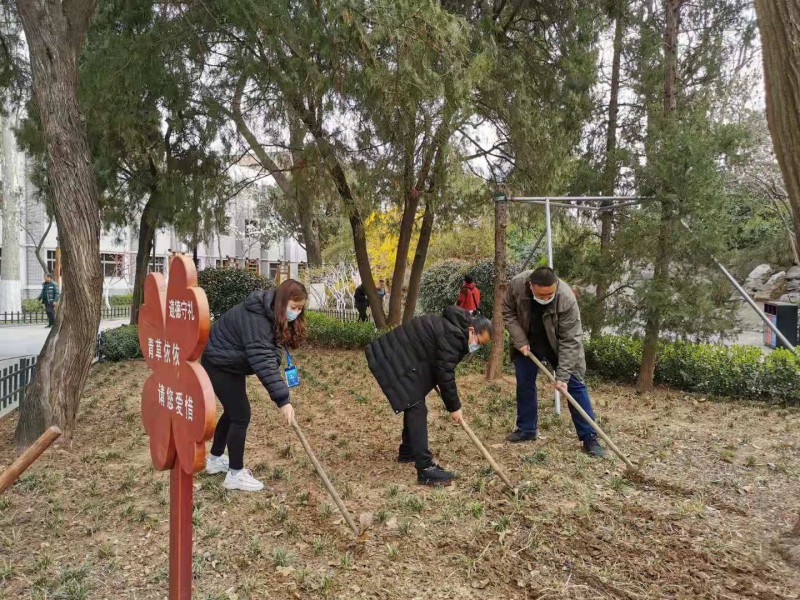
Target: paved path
(26,340)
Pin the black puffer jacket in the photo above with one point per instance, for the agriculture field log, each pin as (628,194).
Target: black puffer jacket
(243,341)
(409,360)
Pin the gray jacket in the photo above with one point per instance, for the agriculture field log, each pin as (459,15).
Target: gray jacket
(562,322)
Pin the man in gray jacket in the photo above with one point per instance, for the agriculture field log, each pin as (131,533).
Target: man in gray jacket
(542,316)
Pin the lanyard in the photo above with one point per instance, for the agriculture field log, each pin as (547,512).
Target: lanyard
(288,358)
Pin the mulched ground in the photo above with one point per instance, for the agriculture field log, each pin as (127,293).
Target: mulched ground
(722,482)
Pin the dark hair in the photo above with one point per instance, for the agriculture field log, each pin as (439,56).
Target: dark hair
(468,279)
(544,276)
(480,324)
(288,333)
(46,275)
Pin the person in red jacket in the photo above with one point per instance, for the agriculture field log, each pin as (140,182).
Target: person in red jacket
(470,296)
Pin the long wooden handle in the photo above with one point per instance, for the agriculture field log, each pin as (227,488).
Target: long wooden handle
(331,490)
(25,460)
(487,456)
(583,413)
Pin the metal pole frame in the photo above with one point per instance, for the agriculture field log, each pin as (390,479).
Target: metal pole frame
(547,201)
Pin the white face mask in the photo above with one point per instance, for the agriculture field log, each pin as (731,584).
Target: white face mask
(291,315)
(473,347)
(543,302)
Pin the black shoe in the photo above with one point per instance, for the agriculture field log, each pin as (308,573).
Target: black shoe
(435,476)
(518,436)
(593,448)
(405,458)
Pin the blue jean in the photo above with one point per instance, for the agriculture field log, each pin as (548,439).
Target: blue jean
(528,403)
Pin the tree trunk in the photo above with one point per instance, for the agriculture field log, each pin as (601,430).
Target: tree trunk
(410,205)
(148,223)
(668,205)
(495,369)
(337,172)
(10,283)
(417,267)
(305,205)
(610,169)
(55,33)
(780,46)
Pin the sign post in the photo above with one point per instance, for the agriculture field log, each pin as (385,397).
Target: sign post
(178,406)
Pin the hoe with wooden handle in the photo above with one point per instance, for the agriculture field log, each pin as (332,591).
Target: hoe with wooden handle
(364,519)
(582,412)
(25,460)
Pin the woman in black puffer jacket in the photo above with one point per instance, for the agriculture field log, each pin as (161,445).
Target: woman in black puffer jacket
(409,361)
(251,338)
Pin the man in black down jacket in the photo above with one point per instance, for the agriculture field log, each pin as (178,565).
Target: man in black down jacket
(409,361)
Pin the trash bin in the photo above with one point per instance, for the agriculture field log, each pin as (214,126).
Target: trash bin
(784,316)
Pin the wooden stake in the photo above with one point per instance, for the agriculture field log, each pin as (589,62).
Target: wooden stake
(487,456)
(17,468)
(328,485)
(582,412)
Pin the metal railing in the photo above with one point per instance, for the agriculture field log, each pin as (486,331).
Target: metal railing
(22,318)
(14,379)
(348,315)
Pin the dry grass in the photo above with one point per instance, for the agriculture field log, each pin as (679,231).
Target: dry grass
(721,484)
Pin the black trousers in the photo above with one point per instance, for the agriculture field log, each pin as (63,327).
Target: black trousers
(51,313)
(415,435)
(362,313)
(231,430)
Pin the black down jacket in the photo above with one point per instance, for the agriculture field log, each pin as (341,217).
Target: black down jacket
(243,341)
(409,360)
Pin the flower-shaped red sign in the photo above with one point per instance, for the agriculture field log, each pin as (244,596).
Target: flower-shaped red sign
(178,406)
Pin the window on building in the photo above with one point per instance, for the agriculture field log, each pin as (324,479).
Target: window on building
(51,261)
(250,227)
(156,264)
(112,264)
(273,271)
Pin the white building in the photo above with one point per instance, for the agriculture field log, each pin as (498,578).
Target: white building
(280,260)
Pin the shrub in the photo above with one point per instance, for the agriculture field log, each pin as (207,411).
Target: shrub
(614,356)
(441,283)
(330,332)
(734,371)
(225,287)
(120,343)
(120,300)
(32,306)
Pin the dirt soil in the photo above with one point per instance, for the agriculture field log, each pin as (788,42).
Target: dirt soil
(90,520)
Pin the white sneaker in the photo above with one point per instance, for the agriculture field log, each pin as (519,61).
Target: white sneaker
(242,480)
(217,464)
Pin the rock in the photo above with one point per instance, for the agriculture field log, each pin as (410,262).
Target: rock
(757,278)
(792,283)
(762,295)
(793,297)
(775,281)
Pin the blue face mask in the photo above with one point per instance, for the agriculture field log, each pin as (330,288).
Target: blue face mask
(474,346)
(291,315)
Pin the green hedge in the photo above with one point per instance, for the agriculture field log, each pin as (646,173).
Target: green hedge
(226,287)
(735,371)
(120,300)
(32,306)
(441,284)
(329,332)
(120,343)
